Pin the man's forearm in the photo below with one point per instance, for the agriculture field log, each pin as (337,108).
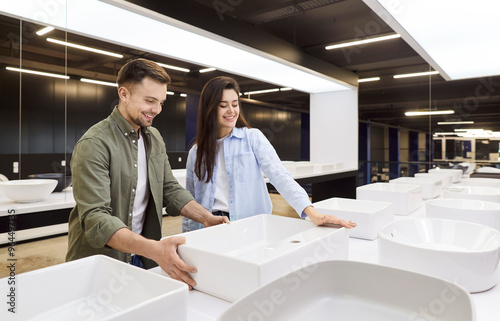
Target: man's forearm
(124,240)
(193,210)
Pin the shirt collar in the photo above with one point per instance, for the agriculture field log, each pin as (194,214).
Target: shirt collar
(123,124)
(237,132)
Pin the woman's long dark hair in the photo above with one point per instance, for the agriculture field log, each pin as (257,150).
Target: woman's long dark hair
(208,125)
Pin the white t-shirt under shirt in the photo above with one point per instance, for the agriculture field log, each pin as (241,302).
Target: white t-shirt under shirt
(142,188)
(222,185)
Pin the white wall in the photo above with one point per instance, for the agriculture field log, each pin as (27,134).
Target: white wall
(334,128)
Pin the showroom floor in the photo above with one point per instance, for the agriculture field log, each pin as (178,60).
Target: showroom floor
(50,251)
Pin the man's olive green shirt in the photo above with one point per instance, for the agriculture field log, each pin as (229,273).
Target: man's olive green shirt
(104,177)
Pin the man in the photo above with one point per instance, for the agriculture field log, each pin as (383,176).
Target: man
(122,178)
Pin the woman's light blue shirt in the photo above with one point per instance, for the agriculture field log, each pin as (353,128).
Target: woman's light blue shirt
(247,154)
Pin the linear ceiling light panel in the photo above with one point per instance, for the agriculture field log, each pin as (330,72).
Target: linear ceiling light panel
(417,74)
(126,24)
(77,46)
(173,67)
(456,37)
(264,91)
(369,79)
(429,112)
(99,82)
(45,30)
(455,122)
(39,73)
(207,70)
(362,42)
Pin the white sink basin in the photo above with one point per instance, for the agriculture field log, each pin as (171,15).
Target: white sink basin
(354,291)
(234,259)
(180,176)
(299,168)
(369,215)
(474,211)
(460,252)
(324,167)
(457,173)
(406,197)
(488,169)
(431,187)
(482,193)
(446,178)
(96,288)
(478,181)
(28,190)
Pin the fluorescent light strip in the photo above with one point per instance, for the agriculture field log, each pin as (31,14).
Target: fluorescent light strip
(45,30)
(40,73)
(361,42)
(99,82)
(206,70)
(171,93)
(73,45)
(444,133)
(455,122)
(183,95)
(369,79)
(417,74)
(264,91)
(286,89)
(173,67)
(431,112)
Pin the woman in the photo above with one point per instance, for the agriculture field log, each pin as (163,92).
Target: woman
(224,168)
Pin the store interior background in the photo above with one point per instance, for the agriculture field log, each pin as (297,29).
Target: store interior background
(42,117)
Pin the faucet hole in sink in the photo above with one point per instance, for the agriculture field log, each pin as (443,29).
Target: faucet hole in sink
(295,241)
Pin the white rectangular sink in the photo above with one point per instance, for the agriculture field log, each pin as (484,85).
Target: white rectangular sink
(446,178)
(370,216)
(457,173)
(483,193)
(96,288)
(461,252)
(406,197)
(234,259)
(431,187)
(479,181)
(354,291)
(320,168)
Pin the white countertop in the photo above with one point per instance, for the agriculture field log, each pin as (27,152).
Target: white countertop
(204,307)
(55,201)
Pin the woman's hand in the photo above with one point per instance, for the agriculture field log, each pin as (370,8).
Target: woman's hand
(321,219)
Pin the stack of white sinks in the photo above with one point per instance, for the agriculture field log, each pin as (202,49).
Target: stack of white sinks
(445,178)
(237,258)
(369,215)
(299,168)
(95,288)
(406,197)
(431,187)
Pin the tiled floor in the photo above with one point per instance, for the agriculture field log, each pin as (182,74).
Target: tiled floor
(50,251)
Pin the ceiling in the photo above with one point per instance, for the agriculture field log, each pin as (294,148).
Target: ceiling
(308,25)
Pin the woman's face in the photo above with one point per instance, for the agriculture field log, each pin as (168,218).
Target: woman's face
(228,112)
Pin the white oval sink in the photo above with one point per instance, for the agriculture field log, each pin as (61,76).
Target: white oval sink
(482,193)
(474,211)
(460,252)
(431,187)
(353,291)
(479,181)
(488,169)
(406,197)
(96,288)
(457,173)
(28,190)
(234,259)
(369,215)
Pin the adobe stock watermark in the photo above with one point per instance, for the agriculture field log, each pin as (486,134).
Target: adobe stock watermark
(293,280)
(11,262)
(222,6)
(97,304)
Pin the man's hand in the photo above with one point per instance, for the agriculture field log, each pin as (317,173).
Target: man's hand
(321,219)
(168,259)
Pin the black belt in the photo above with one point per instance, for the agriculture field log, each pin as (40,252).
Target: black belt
(221,213)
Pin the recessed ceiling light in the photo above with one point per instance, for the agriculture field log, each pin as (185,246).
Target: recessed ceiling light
(173,67)
(417,74)
(455,122)
(40,73)
(74,45)
(361,42)
(369,79)
(264,91)
(99,82)
(429,112)
(206,70)
(45,30)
